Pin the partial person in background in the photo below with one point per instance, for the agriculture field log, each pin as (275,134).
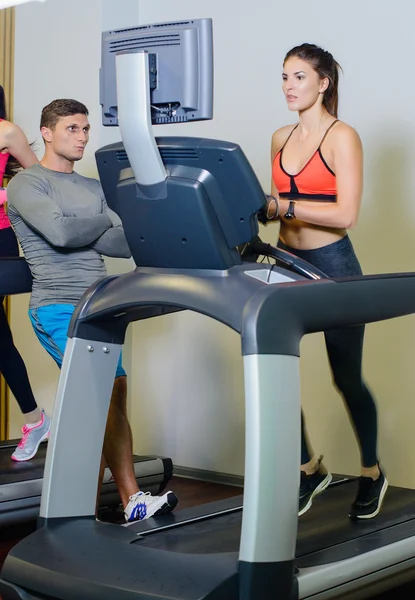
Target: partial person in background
(15,152)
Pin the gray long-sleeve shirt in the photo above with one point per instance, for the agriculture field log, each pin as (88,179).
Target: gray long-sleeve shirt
(64,225)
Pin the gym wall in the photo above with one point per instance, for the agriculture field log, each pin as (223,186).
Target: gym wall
(186,377)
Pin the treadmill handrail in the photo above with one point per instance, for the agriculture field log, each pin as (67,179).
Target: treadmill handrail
(245,304)
(291,261)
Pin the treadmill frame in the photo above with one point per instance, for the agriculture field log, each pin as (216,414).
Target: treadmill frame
(246,301)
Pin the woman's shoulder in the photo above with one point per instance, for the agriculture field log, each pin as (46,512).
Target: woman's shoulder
(283,132)
(344,133)
(9,132)
(7,127)
(279,137)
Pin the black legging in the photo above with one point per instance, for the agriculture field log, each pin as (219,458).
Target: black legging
(344,349)
(12,366)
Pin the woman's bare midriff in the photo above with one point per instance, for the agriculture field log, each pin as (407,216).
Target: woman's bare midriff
(303,236)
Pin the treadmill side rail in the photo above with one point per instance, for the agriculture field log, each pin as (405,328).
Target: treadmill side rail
(333,580)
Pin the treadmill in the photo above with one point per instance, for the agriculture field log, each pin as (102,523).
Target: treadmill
(206,198)
(21,482)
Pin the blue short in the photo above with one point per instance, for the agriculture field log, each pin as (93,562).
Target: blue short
(51,325)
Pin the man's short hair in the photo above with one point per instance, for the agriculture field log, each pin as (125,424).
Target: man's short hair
(61,108)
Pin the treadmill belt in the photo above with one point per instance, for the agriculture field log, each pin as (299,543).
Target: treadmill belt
(325,525)
(12,471)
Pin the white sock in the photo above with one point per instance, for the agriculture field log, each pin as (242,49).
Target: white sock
(33,418)
(33,425)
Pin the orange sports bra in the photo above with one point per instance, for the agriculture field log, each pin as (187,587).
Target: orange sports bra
(315,181)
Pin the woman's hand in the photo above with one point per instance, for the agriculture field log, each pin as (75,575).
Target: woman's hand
(272,208)
(270,211)
(283,204)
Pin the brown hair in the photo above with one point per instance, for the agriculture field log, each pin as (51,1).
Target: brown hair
(61,108)
(325,66)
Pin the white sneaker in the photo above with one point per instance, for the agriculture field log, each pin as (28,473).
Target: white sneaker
(32,437)
(143,505)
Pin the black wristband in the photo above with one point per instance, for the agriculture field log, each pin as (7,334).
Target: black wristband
(290,211)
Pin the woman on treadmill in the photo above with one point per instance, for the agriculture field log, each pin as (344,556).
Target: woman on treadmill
(317,177)
(15,152)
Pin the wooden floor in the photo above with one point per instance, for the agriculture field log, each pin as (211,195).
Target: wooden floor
(190,493)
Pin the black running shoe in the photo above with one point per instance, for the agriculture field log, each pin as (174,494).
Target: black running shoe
(311,486)
(369,497)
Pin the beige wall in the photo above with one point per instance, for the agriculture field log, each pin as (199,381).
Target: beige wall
(186,371)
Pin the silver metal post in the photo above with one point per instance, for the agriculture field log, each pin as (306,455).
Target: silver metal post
(134,118)
(78,426)
(272,458)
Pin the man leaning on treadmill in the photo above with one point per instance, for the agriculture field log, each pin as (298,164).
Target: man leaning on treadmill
(64,226)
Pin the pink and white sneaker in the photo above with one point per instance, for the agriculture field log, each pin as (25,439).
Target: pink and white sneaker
(31,439)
